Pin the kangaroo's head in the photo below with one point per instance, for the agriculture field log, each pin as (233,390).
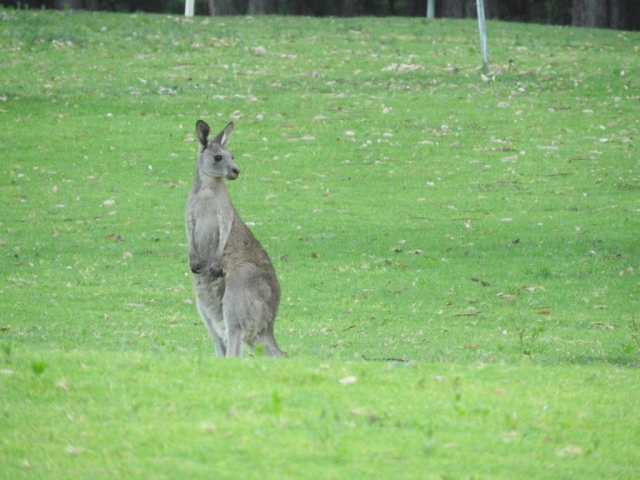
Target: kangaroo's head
(214,160)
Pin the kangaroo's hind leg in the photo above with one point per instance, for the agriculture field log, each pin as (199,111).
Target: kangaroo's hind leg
(249,306)
(267,339)
(234,344)
(208,318)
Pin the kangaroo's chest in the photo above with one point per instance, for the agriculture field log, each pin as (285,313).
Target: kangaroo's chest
(213,216)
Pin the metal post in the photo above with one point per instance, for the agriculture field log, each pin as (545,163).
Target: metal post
(431,8)
(188,8)
(483,36)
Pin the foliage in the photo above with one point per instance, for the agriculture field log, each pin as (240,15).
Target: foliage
(458,254)
(617,14)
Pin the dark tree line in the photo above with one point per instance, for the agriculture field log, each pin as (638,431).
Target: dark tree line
(616,14)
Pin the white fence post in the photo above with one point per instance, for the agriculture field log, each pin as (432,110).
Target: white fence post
(188,8)
(431,8)
(483,36)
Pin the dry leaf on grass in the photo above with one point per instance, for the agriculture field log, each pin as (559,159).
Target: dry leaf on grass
(348,380)
(604,326)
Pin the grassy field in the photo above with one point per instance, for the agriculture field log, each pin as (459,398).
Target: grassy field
(459,255)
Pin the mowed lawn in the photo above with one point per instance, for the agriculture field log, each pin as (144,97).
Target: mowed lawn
(458,253)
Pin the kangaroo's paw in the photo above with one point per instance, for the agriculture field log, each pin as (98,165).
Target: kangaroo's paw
(196,267)
(216,272)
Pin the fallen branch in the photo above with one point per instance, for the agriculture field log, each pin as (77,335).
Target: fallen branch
(470,314)
(391,359)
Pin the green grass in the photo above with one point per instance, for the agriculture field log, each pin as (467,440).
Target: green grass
(483,232)
(135,415)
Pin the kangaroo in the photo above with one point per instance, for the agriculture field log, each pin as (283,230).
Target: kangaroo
(237,292)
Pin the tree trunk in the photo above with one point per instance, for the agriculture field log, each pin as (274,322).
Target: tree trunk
(222,7)
(454,8)
(470,9)
(92,5)
(263,7)
(417,8)
(70,4)
(350,8)
(589,13)
(296,7)
(492,8)
(619,14)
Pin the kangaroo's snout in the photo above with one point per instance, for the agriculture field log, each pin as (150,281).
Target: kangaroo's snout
(234,172)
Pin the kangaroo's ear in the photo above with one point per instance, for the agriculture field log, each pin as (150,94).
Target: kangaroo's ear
(224,135)
(202,131)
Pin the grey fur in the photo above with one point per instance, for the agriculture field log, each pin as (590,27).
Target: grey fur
(237,292)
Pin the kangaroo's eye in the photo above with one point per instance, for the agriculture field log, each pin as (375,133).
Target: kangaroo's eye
(217,158)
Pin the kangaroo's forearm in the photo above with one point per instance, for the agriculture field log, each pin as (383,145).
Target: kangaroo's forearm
(203,247)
